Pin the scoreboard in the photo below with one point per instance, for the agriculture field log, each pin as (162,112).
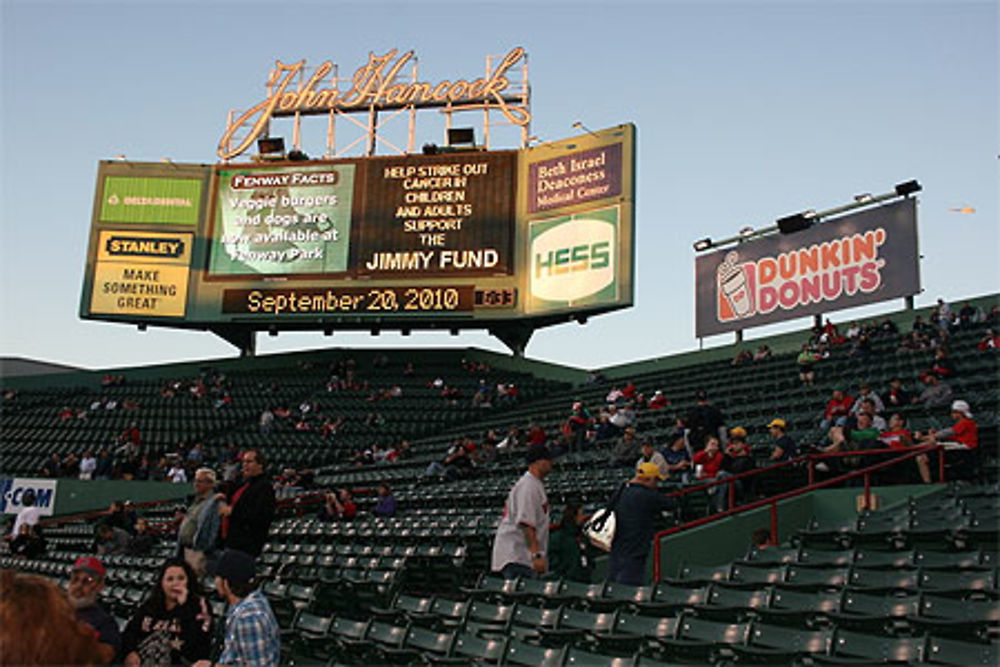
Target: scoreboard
(451,240)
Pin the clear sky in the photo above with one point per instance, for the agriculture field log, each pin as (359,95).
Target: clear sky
(746,111)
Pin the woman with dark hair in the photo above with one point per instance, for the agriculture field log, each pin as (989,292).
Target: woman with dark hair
(39,627)
(567,556)
(173,625)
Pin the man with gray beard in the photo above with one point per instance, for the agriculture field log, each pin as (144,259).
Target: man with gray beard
(85,584)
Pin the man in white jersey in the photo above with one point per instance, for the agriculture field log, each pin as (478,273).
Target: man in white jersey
(520,548)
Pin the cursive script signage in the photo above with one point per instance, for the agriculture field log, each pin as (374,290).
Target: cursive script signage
(375,85)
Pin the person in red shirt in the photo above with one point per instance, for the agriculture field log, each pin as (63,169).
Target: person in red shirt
(897,436)
(990,341)
(708,465)
(837,409)
(961,439)
(659,401)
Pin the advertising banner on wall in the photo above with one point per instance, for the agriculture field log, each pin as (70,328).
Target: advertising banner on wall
(573,260)
(12,490)
(141,273)
(854,260)
(134,199)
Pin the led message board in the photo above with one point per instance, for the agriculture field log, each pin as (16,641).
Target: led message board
(452,240)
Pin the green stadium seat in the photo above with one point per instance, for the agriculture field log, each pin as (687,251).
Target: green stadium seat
(945,651)
(518,652)
(800,608)
(733,605)
(704,641)
(858,648)
(778,644)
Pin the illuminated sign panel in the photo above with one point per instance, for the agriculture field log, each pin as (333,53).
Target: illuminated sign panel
(574,260)
(282,220)
(575,178)
(451,214)
(454,240)
(151,200)
(141,273)
(854,260)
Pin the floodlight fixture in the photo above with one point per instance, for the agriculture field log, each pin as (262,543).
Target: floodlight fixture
(461,136)
(863,198)
(580,126)
(795,222)
(908,188)
(746,231)
(271,146)
(703,244)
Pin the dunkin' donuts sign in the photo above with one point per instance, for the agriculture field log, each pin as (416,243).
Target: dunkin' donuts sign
(858,259)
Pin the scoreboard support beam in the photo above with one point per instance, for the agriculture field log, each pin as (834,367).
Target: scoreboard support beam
(514,336)
(243,338)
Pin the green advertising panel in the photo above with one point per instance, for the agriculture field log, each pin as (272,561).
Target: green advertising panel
(282,221)
(164,201)
(573,260)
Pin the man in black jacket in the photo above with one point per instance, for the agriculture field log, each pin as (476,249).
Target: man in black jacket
(248,511)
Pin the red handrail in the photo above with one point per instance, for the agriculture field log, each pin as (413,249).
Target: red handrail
(910,453)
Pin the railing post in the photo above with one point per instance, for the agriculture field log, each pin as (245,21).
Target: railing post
(811,466)
(774,522)
(732,493)
(941,474)
(868,491)
(656,559)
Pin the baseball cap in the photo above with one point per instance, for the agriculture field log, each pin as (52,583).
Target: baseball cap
(650,469)
(738,432)
(537,453)
(780,423)
(236,567)
(91,564)
(963,407)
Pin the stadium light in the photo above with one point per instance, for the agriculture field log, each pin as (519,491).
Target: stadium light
(703,244)
(461,136)
(908,188)
(795,222)
(272,147)
(580,126)
(863,198)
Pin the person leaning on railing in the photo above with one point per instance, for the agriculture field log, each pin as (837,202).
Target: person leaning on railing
(961,439)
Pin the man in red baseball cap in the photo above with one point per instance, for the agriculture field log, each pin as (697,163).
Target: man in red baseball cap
(85,585)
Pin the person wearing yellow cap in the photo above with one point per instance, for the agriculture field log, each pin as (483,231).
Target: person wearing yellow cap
(784,447)
(637,515)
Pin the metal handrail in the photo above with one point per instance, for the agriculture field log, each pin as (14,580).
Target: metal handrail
(909,453)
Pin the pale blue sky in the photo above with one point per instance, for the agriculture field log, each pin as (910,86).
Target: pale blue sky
(746,111)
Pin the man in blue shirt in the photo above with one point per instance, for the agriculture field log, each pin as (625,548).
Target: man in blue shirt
(637,516)
(252,633)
